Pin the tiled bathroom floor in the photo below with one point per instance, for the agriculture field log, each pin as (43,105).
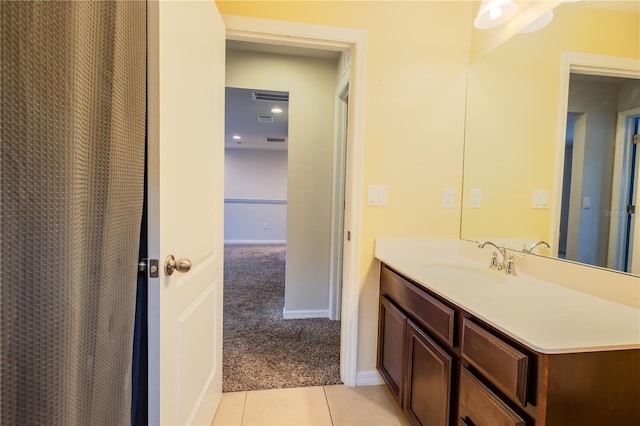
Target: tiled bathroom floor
(323,405)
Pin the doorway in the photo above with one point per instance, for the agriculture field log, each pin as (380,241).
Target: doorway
(277,34)
(596,221)
(301,85)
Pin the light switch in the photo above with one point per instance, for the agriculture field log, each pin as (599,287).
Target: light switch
(475,198)
(377,195)
(447,197)
(586,202)
(540,199)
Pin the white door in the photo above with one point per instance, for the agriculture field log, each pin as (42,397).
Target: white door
(186,63)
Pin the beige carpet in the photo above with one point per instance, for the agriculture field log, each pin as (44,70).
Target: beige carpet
(260,349)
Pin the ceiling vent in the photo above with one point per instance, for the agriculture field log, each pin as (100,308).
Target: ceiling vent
(270,96)
(275,140)
(265,119)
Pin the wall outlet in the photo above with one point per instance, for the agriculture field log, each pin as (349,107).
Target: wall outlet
(447,197)
(264,225)
(475,198)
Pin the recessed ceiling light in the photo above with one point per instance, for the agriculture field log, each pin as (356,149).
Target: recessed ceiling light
(276,110)
(237,137)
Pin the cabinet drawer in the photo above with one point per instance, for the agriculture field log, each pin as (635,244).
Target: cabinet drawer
(504,365)
(424,309)
(479,406)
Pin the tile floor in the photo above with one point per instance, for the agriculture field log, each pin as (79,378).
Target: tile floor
(322,405)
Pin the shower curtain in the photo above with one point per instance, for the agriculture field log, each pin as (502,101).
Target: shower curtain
(73,78)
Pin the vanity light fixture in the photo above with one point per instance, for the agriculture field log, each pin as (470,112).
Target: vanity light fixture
(276,110)
(539,23)
(494,12)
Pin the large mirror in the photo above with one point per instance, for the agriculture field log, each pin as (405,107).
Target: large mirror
(548,142)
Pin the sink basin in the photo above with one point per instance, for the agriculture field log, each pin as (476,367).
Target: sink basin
(463,274)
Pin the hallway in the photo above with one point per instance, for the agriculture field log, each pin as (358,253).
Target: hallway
(261,350)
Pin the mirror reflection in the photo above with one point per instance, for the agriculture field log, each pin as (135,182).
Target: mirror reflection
(545,156)
(599,187)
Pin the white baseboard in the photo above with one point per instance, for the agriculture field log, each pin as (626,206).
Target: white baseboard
(255,241)
(317,313)
(368,378)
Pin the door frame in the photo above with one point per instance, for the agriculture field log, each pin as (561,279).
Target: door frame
(579,63)
(338,195)
(621,159)
(295,34)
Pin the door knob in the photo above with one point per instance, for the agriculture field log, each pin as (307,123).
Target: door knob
(181,265)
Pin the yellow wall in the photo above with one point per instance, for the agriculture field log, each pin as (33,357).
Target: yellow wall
(417,56)
(512,117)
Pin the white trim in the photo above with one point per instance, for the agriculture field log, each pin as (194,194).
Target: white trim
(338,195)
(253,201)
(337,39)
(369,378)
(305,314)
(579,63)
(255,241)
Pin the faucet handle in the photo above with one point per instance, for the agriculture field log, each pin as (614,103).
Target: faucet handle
(510,267)
(494,261)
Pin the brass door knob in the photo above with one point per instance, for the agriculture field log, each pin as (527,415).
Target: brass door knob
(171,265)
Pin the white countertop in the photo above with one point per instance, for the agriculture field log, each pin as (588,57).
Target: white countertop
(546,317)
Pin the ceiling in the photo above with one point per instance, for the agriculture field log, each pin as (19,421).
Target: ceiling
(253,121)
(242,111)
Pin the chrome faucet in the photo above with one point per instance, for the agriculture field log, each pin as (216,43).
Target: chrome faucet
(506,265)
(532,246)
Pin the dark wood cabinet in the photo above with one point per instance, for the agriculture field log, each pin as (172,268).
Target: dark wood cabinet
(448,367)
(391,346)
(428,380)
(416,331)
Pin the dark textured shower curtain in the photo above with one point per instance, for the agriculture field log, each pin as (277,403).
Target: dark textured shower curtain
(72,164)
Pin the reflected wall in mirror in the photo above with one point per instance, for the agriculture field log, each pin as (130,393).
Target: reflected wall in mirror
(517,104)
(600,172)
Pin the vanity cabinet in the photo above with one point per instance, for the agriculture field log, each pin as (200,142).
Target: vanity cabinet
(448,367)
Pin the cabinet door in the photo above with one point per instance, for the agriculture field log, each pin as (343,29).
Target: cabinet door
(428,381)
(392,325)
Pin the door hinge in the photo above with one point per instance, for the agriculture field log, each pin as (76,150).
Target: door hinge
(636,139)
(151,265)
(348,235)
(631,209)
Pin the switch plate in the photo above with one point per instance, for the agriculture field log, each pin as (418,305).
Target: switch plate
(540,199)
(377,195)
(475,198)
(586,202)
(447,197)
